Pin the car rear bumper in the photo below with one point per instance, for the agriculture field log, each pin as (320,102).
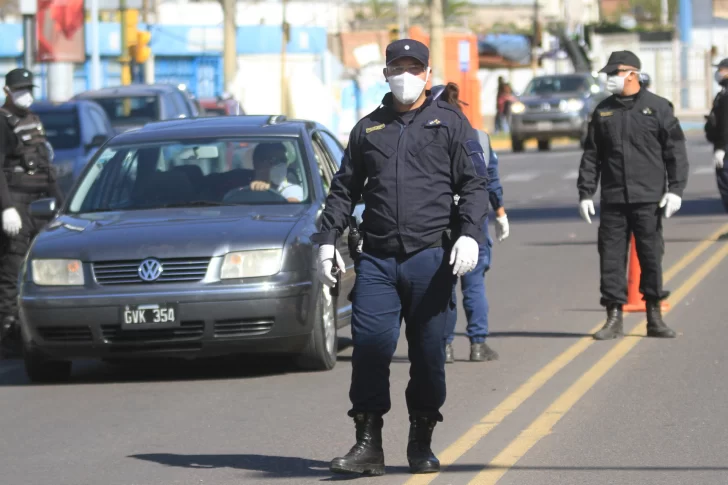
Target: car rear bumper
(548,126)
(212,321)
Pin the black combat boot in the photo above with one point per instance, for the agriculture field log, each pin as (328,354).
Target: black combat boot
(480,352)
(613,328)
(449,354)
(419,454)
(366,457)
(655,326)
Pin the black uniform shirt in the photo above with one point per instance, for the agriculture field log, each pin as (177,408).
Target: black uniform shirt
(8,145)
(720,110)
(637,148)
(413,164)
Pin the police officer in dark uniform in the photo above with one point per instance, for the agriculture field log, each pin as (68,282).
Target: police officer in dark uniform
(26,176)
(716,130)
(414,153)
(636,146)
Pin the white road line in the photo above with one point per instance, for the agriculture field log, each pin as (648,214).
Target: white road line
(573,175)
(520,177)
(704,171)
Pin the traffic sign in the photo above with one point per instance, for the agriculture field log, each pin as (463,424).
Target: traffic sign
(464,55)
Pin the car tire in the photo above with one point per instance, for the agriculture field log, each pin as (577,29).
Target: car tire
(516,145)
(544,145)
(42,370)
(321,349)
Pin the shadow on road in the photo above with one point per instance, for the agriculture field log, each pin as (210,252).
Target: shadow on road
(536,334)
(690,208)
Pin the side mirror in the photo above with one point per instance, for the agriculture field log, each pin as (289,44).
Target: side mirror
(43,208)
(96,141)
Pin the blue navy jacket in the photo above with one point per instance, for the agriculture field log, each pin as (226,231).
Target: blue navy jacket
(398,169)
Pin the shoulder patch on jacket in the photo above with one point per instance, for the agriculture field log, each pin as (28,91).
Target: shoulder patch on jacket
(375,128)
(604,114)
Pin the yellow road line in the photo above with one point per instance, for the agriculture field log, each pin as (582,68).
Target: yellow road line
(543,425)
(471,437)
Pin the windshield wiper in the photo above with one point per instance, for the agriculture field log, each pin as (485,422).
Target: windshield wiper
(196,203)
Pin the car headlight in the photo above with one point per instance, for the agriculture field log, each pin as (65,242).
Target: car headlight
(251,264)
(518,108)
(572,105)
(57,272)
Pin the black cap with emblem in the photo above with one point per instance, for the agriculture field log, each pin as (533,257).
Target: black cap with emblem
(19,78)
(722,64)
(621,58)
(408,48)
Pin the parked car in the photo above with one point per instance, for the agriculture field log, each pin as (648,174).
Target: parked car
(162,248)
(555,106)
(75,130)
(221,106)
(133,106)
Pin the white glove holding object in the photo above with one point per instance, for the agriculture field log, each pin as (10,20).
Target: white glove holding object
(671,203)
(325,263)
(718,157)
(11,222)
(464,255)
(502,229)
(586,207)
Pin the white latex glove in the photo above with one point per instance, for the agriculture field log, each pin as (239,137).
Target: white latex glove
(718,157)
(464,255)
(671,203)
(325,263)
(586,207)
(11,222)
(502,228)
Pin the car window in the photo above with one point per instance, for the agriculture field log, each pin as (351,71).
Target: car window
(180,105)
(334,147)
(130,109)
(556,84)
(62,128)
(322,163)
(98,120)
(209,171)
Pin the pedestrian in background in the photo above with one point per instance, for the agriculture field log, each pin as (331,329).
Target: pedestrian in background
(716,130)
(475,299)
(636,146)
(407,158)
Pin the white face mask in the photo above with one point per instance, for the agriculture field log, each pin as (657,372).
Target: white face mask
(23,98)
(407,87)
(278,173)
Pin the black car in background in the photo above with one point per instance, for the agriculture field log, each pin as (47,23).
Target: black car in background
(163,249)
(133,106)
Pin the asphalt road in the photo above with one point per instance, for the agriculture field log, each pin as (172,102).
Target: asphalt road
(557,407)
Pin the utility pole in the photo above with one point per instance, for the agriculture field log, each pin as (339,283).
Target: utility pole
(124,58)
(148,67)
(285,37)
(230,51)
(403,18)
(664,12)
(536,38)
(437,42)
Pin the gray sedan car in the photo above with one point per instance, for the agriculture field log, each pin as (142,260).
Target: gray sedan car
(553,107)
(188,238)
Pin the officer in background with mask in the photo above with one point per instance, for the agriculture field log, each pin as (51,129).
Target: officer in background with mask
(414,153)
(716,129)
(636,146)
(26,176)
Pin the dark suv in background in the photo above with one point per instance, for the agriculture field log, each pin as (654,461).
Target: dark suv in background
(555,106)
(133,106)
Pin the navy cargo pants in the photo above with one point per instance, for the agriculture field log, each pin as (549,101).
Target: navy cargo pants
(419,288)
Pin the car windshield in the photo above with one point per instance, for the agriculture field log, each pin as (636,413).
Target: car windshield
(194,173)
(556,84)
(131,109)
(62,128)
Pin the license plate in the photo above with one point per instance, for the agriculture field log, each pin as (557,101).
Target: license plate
(149,316)
(544,125)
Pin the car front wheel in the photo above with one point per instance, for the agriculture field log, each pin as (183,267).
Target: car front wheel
(321,349)
(42,370)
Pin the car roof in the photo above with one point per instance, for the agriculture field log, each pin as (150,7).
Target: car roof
(218,126)
(130,90)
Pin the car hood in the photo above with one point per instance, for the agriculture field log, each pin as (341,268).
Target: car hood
(166,233)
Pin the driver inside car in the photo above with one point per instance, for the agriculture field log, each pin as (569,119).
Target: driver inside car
(271,171)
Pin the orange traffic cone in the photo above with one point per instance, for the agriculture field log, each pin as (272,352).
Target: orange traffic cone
(635,303)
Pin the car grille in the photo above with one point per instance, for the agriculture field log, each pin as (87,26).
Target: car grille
(190,330)
(66,334)
(242,328)
(542,107)
(127,272)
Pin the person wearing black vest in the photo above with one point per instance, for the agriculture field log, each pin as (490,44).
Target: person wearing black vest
(716,130)
(26,176)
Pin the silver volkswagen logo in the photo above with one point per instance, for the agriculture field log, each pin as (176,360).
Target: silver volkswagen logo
(150,270)
(546,107)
